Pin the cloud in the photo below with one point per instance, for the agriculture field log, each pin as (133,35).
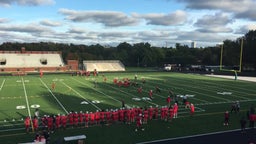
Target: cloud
(4,20)
(214,23)
(244,9)
(177,17)
(248,14)
(200,37)
(50,23)
(30,28)
(76,30)
(245,28)
(107,18)
(26,2)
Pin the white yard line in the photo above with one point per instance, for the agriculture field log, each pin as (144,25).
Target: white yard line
(132,95)
(26,97)
(2,84)
(195,91)
(54,96)
(81,96)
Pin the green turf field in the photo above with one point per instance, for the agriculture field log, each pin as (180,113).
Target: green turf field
(19,96)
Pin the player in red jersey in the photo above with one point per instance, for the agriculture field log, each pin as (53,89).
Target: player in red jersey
(86,118)
(139,90)
(115,80)
(108,117)
(41,73)
(27,124)
(145,118)
(97,117)
(115,116)
(128,116)
(171,114)
(35,123)
(92,118)
(71,119)
(102,117)
(50,123)
(192,109)
(105,79)
(150,94)
(175,110)
(81,118)
(57,121)
(95,72)
(187,105)
(120,83)
(44,122)
(168,100)
(150,112)
(76,118)
(64,121)
(156,112)
(133,113)
(139,122)
(226,118)
(121,115)
(53,85)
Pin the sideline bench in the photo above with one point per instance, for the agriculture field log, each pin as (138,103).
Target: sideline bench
(78,138)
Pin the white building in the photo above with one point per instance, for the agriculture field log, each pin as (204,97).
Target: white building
(193,44)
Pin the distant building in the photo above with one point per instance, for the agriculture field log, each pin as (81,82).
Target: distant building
(193,44)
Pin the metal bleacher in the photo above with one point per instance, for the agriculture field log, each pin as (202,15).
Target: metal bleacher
(31,60)
(103,65)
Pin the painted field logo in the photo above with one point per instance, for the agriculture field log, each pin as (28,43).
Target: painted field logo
(136,99)
(224,93)
(146,98)
(95,101)
(35,106)
(20,107)
(84,102)
(186,95)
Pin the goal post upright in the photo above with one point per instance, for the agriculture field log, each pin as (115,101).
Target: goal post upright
(240,58)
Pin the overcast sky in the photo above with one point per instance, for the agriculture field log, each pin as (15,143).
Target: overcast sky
(110,22)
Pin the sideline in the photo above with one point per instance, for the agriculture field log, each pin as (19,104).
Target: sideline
(244,78)
(192,136)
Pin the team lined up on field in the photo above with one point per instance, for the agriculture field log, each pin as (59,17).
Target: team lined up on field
(126,115)
(85,119)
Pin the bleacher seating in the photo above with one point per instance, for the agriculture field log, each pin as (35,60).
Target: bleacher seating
(104,65)
(31,60)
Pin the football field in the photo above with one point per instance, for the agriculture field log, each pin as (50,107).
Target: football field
(20,96)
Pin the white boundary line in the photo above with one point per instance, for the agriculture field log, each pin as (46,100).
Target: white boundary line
(192,136)
(81,96)
(26,97)
(54,96)
(2,84)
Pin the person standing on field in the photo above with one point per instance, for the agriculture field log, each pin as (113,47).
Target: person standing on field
(226,118)
(168,100)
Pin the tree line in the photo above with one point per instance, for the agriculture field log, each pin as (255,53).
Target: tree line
(145,55)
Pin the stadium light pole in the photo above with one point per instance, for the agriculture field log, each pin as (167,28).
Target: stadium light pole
(221,55)
(241,54)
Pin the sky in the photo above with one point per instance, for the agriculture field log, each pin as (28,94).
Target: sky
(161,23)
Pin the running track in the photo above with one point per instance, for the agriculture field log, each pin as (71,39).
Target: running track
(225,137)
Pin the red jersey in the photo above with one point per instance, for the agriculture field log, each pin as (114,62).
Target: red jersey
(168,100)
(64,120)
(35,123)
